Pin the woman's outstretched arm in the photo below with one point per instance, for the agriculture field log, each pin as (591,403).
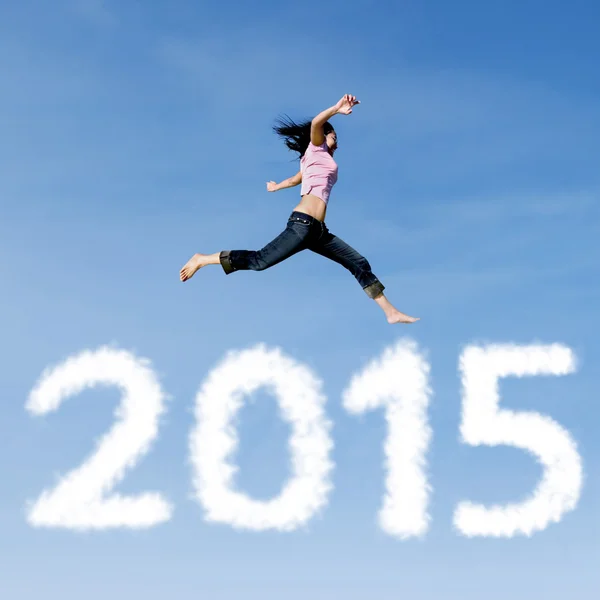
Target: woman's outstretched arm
(343,107)
(286,183)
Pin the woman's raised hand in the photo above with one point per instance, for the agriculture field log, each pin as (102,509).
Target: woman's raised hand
(344,106)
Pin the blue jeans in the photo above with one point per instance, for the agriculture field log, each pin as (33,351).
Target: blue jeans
(304,232)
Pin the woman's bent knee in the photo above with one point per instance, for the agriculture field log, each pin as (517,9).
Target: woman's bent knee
(364,265)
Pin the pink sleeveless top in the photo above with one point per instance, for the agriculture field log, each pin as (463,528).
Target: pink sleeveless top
(319,171)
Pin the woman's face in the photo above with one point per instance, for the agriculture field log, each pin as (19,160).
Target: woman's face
(331,139)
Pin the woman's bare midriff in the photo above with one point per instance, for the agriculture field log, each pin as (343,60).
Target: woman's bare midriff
(313,206)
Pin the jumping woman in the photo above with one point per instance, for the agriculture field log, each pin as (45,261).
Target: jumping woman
(316,142)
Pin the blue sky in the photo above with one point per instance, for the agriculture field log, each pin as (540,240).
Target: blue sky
(135,134)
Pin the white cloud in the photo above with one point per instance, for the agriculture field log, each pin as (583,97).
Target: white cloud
(214,440)
(398,383)
(80,499)
(484,423)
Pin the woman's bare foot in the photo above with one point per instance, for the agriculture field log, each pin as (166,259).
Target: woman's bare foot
(397,317)
(196,262)
(392,314)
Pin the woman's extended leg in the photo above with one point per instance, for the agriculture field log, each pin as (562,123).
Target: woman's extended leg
(290,241)
(332,247)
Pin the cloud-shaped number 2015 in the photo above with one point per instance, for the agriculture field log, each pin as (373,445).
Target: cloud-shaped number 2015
(397,382)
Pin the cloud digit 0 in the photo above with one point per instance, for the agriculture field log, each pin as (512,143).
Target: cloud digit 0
(214,440)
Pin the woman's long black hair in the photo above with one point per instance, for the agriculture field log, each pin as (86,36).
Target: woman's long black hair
(296,135)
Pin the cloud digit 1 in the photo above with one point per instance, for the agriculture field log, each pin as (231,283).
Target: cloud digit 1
(398,383)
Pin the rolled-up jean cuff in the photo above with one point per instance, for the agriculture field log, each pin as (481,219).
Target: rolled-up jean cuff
(374,289)
(226,262)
